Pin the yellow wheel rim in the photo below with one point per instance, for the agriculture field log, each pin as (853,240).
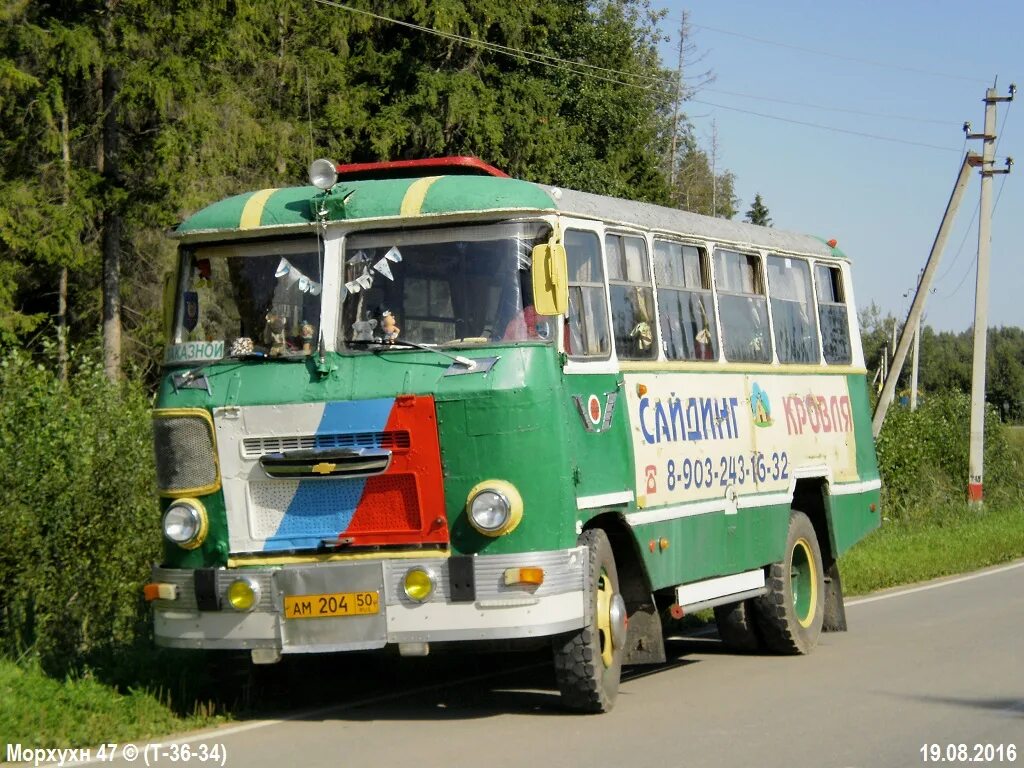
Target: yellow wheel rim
(604,620)
(804,583)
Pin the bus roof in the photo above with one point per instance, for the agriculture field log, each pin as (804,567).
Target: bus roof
(282,210)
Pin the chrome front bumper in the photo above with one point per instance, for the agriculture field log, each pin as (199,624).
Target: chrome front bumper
(490,610)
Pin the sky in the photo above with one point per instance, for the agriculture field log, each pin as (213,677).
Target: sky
(872,64)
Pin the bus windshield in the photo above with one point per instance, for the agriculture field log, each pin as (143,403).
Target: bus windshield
(249,299)
(447,286)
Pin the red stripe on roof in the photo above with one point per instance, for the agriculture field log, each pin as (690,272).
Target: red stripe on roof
(407,169)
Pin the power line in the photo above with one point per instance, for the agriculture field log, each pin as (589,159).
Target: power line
(583,69)
(977,206)
(833,55)
(826,127)
(828,109)
(532,56)
(995,205)
(963,242)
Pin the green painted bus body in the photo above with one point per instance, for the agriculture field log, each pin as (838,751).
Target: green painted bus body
(521,422)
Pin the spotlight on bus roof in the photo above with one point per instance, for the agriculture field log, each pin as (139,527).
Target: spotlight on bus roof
(323,174)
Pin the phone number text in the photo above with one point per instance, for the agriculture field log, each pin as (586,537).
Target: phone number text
(738,469)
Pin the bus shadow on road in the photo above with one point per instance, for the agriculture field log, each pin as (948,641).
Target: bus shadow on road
(1002,706)
(448,686)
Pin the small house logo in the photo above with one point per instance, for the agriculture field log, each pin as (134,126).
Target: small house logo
(760,406)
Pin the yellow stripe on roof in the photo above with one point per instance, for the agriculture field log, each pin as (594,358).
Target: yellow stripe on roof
(252,213)
(416,194)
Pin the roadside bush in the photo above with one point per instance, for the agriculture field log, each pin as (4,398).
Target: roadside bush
(78,513)
(923,457)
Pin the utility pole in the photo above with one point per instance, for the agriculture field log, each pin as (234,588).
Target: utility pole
(887,390)
(678,104)
(976,469)
(914,364)
(714,163)
(915,360)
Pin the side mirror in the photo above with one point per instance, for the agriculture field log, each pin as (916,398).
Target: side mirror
(550,279)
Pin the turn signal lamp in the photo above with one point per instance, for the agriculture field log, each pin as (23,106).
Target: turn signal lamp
(418,584)
(533,577)
(160,592)
(243,594)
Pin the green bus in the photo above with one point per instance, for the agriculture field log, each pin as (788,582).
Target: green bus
(422,403)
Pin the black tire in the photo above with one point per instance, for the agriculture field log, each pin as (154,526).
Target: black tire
(588,664)
(737,627)
(790,614)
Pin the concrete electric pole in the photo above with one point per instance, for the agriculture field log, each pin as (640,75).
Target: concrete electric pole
(887,388)
(976,470)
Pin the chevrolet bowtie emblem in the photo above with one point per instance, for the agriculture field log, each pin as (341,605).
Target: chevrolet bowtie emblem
(324,468)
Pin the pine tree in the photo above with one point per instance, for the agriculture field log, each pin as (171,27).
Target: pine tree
(758,213)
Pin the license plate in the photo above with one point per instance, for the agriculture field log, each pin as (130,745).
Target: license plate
(337,604)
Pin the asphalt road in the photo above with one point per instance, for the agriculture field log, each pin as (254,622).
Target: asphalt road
(940,664)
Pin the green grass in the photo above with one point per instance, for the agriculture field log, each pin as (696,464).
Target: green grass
(1015,437)
(943,543)
(38,711)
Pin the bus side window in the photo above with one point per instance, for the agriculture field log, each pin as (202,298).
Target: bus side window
(743,307)
(796,332)
(632,297)
(588,321)
(686,307)
(832,314)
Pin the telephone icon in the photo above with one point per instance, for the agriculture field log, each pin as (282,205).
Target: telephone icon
(652,479)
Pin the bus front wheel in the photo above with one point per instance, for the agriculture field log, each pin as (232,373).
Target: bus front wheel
(790,614)
(588,662)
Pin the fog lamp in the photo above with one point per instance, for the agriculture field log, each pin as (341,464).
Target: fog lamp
(419,584)
(243,594)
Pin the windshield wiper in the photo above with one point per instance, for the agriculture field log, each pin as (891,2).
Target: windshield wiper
(182,380)
(380,346)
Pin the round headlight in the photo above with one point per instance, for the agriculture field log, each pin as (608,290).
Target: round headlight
(418,584)
(323,174)
(243,594)
(489,510)
(185,523)
(495,507)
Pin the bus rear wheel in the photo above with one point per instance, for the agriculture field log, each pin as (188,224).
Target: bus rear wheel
(588,662)
(790,614)
(737,627)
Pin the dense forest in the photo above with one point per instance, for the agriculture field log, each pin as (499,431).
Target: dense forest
(120,117)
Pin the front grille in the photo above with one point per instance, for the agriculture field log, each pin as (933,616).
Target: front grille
(323,509)
(186,459)
(390,504)
(254,447)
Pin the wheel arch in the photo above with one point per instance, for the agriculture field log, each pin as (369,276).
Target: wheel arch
(811,496)
(633,577)
(645,642)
